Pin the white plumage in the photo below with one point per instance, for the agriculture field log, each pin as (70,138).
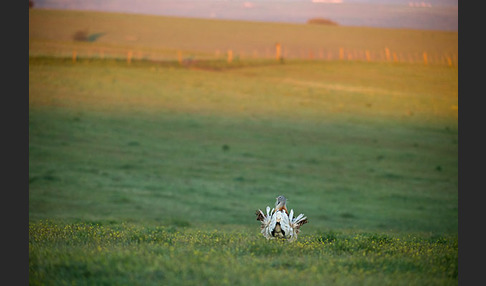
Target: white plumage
(279,223)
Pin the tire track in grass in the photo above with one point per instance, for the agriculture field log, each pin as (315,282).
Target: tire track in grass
(345,88)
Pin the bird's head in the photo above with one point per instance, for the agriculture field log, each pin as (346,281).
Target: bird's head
(281,200)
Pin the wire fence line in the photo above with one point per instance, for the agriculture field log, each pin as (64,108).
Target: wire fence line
(278,52)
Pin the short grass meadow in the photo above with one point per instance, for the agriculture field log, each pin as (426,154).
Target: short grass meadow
(150,173)
(128,254)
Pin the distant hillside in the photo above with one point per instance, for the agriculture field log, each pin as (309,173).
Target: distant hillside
(441,15)
(158,37)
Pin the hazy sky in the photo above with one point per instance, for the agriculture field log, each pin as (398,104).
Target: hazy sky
(415,14)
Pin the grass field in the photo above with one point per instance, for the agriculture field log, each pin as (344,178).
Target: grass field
(130,254)
(150,173)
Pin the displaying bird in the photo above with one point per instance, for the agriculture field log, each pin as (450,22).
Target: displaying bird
(279,222)
(281,204)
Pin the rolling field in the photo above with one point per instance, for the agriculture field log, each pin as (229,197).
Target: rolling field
(150,173)
(51,33)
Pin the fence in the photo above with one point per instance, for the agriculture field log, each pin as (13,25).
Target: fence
(278,52)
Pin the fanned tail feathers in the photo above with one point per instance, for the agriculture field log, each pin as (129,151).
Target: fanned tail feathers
(260,215)
(288,226)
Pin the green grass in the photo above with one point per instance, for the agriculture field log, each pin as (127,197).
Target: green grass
(176,161)
(142,145)
(129,254)
(150,173)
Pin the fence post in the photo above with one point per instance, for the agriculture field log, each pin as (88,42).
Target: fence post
(179,57)
(368,58)
(230,56)
(425,58)
(341,53)
(278,51)
(129,57)
(74,56)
